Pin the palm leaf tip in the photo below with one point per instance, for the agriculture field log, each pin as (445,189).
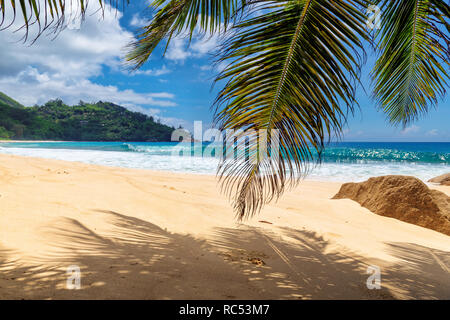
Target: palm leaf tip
(47,15)
(292,70)
(410,74)
(176,18)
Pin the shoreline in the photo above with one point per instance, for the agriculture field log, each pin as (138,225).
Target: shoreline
(141,234)
(320,179)
(356,141)
(31,141)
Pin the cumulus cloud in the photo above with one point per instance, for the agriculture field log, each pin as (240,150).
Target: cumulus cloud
(153,72)
(217,67)
(63,67)
(41,87)
(411,129)
(76,53)
(137,21)
(157,114)
(206,67)
(179,48)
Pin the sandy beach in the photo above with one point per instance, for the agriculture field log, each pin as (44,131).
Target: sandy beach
(138,234)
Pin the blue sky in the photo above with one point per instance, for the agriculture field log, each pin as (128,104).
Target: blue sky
(86,65)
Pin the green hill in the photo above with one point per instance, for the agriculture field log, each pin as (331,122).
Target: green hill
(101,121)
(9,101)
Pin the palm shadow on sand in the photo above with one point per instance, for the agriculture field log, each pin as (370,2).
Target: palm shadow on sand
(139,260)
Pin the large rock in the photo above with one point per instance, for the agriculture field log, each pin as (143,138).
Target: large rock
(404,198)
(443,179)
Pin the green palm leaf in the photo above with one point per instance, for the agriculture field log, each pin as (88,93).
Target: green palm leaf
(182,16)
(291,70)
(409,74)
(46,13)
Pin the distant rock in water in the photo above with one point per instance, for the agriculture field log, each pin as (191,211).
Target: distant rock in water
(443,179)
(404,198)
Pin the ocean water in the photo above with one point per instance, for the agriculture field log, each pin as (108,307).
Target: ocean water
(346,161)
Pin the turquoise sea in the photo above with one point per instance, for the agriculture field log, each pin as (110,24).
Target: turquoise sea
(345,161)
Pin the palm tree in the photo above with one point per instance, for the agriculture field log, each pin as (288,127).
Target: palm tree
(293,66)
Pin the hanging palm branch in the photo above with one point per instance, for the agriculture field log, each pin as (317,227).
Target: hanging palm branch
(291,70)
(411,71)
(178,17)
(46,13)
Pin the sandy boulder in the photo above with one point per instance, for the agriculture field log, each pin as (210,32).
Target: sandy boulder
(443,179)
(404,198)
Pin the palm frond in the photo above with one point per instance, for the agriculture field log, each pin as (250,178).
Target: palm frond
(292,71)
(46,14)
(176,17)
(410,73)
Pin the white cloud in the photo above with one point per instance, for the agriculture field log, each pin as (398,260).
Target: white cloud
(179,48)
(174,122)
(41,87)
(75,53)
(147,111)
(156,114)
(205,45)
(153,72)
(206,67)
(432,132)
(63,67)
(216,67)
(137,21)
(411,129)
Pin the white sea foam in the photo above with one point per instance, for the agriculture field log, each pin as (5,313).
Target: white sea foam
(341,172)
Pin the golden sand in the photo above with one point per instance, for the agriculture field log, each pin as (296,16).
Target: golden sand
(138,234)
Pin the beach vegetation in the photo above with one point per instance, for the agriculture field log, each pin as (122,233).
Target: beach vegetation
(101,121)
